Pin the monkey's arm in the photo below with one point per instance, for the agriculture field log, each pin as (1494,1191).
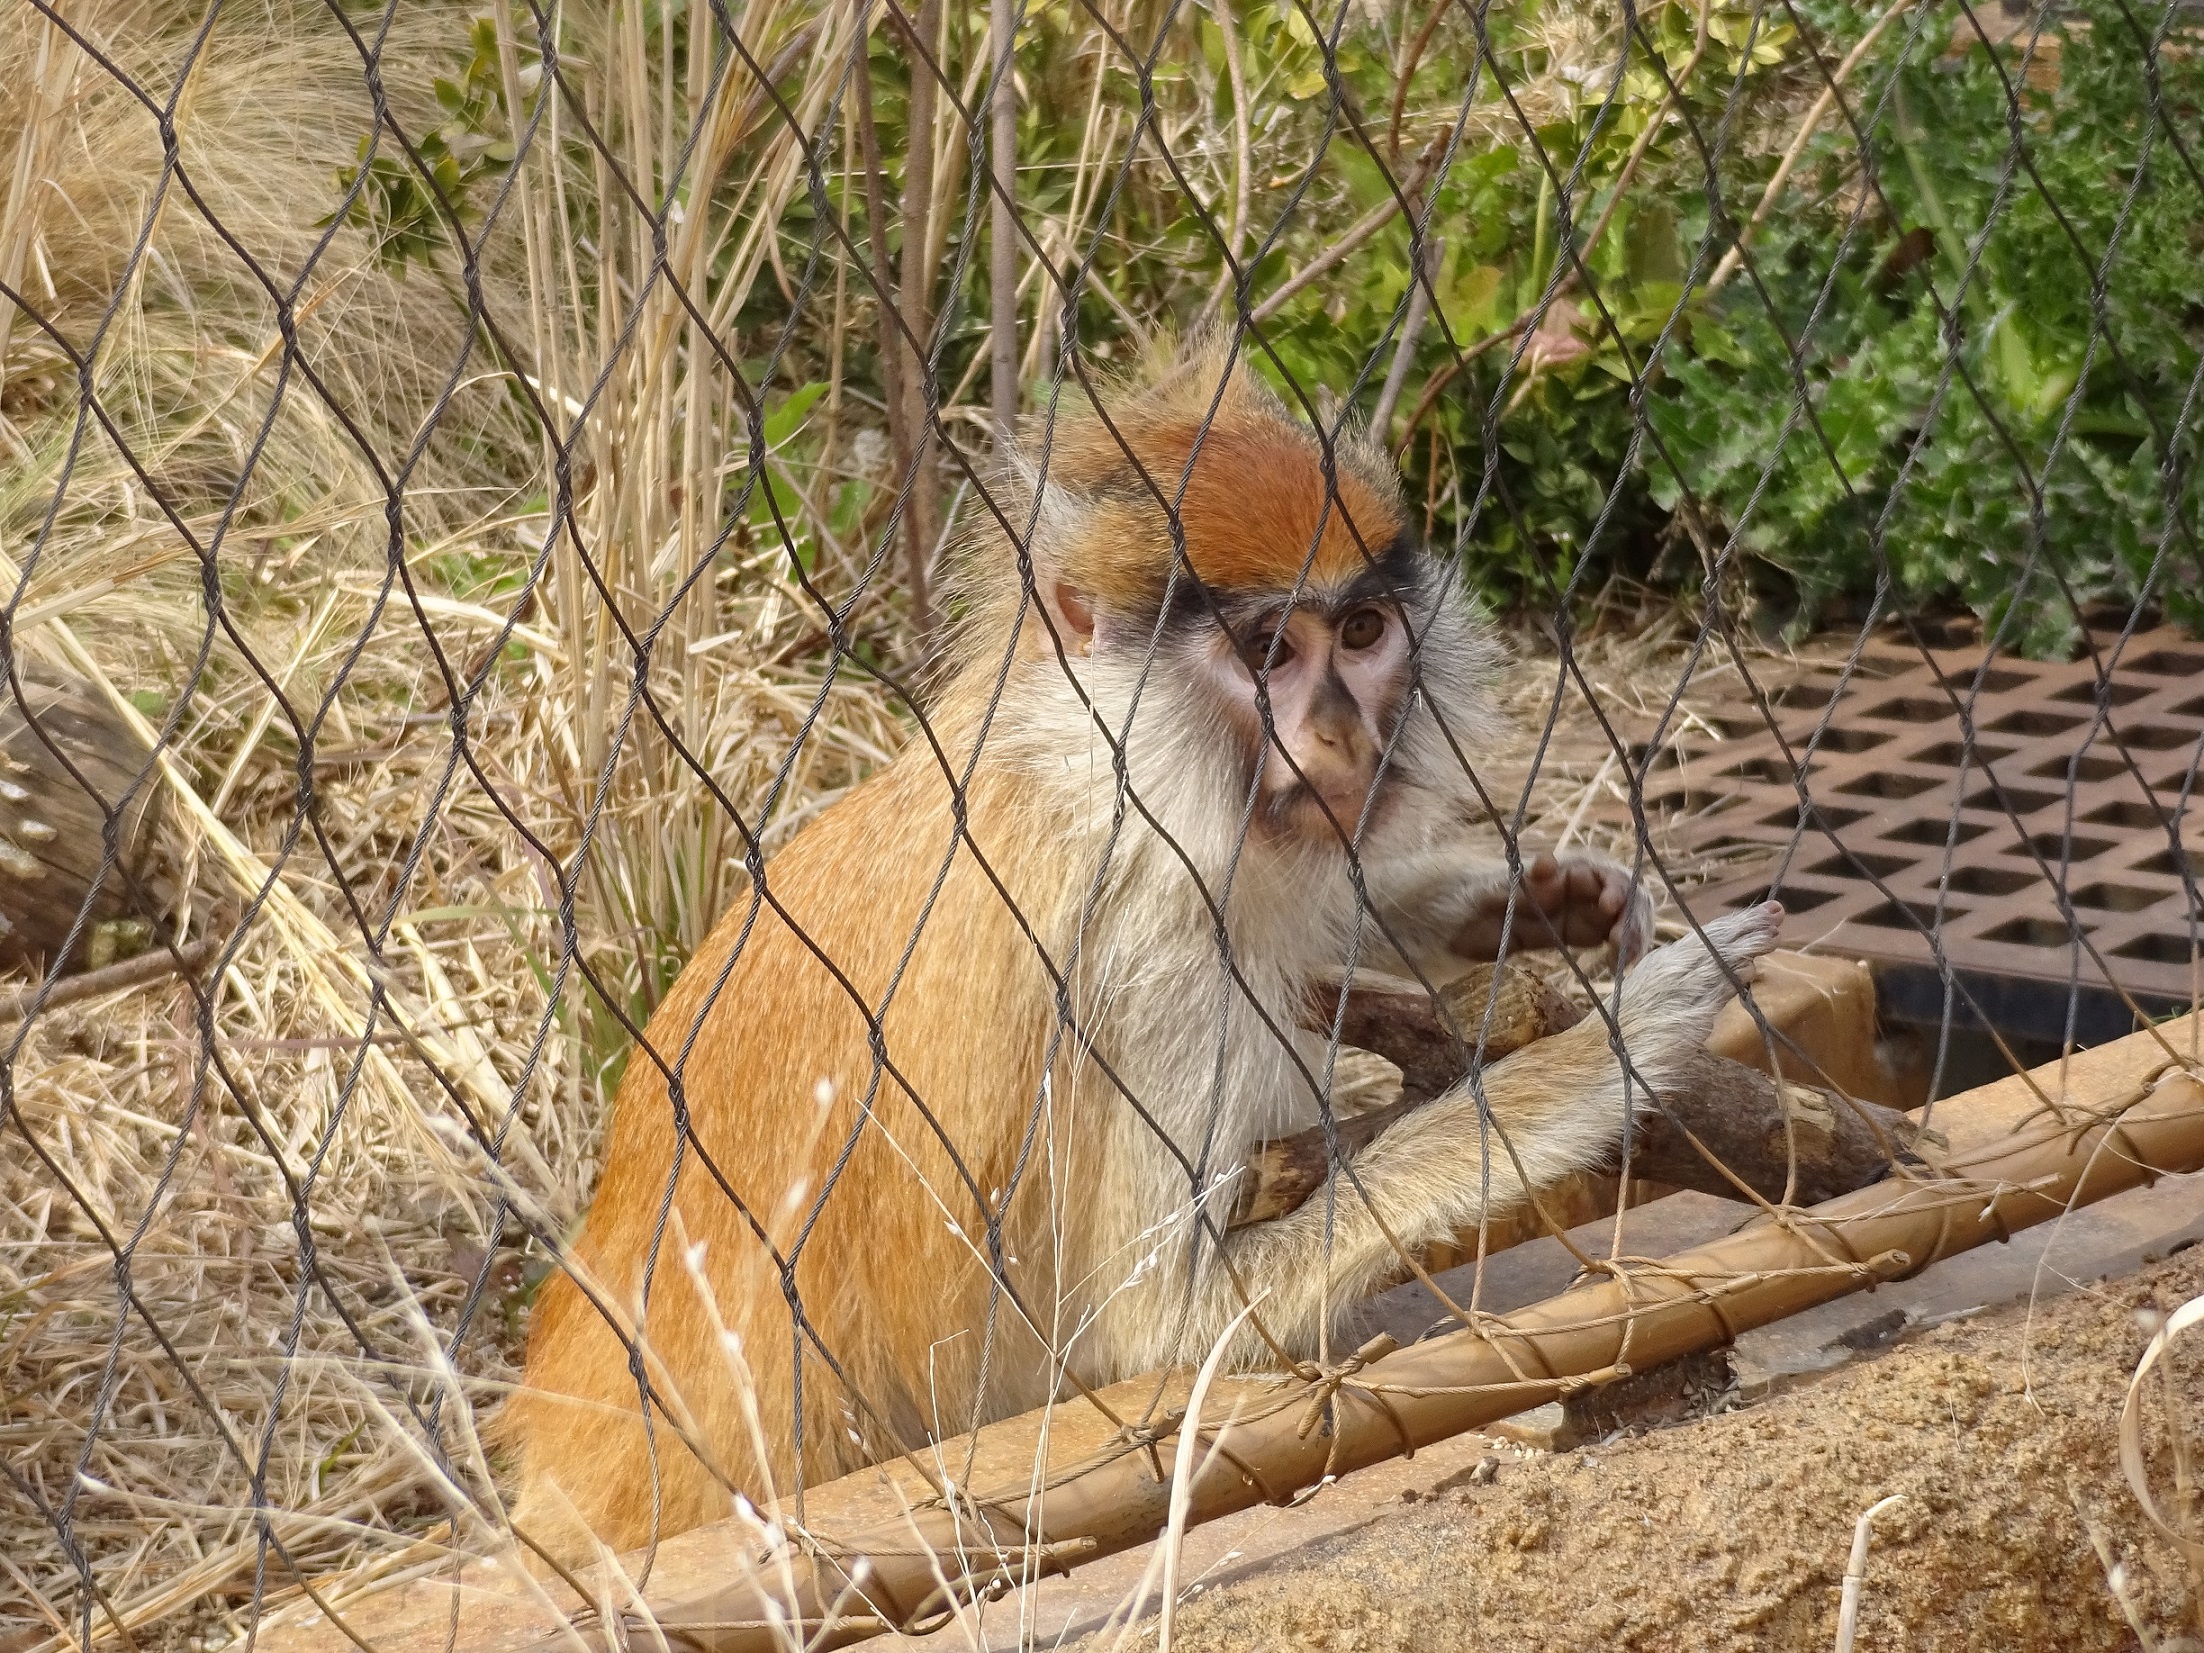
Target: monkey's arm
(1551,1109)
(1441,907)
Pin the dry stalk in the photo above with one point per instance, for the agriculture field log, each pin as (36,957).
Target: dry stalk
(914,298)
(1855,1572)
(1816,113)
(53,75)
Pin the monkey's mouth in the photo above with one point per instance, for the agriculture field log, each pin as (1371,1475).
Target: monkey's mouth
(1327,815)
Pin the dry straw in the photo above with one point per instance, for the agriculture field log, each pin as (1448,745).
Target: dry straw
(197,1170)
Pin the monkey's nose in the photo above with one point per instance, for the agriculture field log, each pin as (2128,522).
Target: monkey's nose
(1339,731)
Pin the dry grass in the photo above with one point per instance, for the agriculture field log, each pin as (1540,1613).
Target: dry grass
(297,1177)
(240,1372)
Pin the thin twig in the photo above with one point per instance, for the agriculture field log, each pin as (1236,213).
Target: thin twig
(112,978)
(1356,233)
(1407,75)
(876,235)
(1411,331)
(921,519)
(1002,247)
(1243,165)
(1855,1572)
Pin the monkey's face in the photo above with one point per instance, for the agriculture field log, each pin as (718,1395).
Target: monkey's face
(1313,689)
(1212,570)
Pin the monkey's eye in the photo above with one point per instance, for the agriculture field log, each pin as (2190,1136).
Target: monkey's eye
(1361,629)
(1257,650)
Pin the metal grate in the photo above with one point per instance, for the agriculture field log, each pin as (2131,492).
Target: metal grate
(1917,837)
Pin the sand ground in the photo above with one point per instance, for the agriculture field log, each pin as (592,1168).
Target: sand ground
(1731,1532)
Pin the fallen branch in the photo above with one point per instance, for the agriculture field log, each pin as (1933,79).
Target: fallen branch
(112,978)
(1398,1021)
(1727,1129)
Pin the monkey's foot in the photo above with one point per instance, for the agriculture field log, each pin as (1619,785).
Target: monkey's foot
(1687,981)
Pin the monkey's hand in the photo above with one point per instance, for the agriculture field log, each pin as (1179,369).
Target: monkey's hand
(1581,901)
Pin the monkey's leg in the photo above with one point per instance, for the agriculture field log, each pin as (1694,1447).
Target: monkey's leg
(1551,1109)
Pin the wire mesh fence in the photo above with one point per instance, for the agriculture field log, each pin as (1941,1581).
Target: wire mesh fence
(1132,670)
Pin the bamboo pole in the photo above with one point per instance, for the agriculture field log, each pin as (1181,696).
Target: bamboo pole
(1276,1438)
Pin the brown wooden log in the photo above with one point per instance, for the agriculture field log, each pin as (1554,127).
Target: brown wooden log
(1283,1172)
(1398,1021)
(1761,1133)
(66,760)
(112,978)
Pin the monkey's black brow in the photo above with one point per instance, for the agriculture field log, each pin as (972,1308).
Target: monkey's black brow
(1395,574)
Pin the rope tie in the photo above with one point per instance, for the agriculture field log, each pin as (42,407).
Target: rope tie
(1325,1381)
(1577,1382)
(1146,1437)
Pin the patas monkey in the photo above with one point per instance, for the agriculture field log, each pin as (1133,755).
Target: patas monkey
(972,1097)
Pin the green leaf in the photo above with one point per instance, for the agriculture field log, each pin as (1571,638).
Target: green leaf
(787,419)
(1212,49)
(1472,299)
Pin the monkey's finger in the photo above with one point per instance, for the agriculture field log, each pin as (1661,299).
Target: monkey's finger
(1545,882)
(1614,891)
(1541,902)
(1597,897)
(1582,923)
(1615,894)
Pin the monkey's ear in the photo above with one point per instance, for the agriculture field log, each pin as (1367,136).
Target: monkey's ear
(1063,519)
(1070,613)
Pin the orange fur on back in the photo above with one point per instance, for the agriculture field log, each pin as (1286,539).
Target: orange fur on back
(887,1274)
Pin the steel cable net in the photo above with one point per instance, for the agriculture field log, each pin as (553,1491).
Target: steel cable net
(482,487)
